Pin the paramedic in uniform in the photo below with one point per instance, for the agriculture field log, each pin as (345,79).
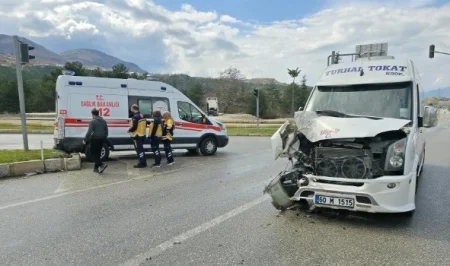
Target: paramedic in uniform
(96,136)
(167,135)
(155,133)
(137,130)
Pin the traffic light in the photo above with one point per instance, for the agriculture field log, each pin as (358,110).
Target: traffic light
(431,53)
(24,55)
(256,92)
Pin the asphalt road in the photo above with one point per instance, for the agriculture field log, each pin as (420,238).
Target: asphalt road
(15,141)
(211,211)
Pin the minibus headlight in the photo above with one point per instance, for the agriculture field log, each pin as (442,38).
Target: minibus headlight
(395,156)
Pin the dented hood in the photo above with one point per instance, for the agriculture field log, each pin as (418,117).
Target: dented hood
(319,127)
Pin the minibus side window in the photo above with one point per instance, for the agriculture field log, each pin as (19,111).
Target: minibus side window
(190,113)
(418,100)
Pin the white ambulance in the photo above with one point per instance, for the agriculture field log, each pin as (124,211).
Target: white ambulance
(77,96)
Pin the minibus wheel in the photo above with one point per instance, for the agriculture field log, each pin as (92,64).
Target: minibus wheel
(192,151)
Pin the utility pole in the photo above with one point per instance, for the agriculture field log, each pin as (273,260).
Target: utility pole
(22,57)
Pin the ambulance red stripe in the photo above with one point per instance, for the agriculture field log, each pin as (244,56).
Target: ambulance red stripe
(83,122)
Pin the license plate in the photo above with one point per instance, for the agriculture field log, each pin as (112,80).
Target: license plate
(334,201)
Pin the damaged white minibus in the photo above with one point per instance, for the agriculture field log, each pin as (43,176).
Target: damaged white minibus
(358,144)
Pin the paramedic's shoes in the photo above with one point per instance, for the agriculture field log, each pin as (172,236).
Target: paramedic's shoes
(156,165)
(95,170)
(139,166)
(171,163)
(102,168)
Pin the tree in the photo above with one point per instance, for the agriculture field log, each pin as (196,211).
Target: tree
(273,95)
(134,75)
(76,67)
(230,83)
(143,76)
(196,94)
(232,73)
(303,86)
(287,97)
(97,72)
(293,73)
(120,71)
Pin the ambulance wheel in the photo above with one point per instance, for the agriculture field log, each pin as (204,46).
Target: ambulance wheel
(208,146)
(104,154)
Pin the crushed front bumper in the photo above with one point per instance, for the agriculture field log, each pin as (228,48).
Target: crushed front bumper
(387,194)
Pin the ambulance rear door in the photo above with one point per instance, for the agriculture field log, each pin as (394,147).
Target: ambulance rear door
(110,97)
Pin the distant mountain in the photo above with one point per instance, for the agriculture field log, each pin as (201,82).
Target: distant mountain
(445,92)
(94,58)
(43,55)
(263,81)
(88,57)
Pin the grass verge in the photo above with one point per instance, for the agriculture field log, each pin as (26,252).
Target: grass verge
(11,156)
(251,131)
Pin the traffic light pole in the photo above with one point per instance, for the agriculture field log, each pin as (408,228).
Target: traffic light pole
(21,94)
(437,52)
(432,51)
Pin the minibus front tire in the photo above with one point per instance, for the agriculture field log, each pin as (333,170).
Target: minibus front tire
(104,153)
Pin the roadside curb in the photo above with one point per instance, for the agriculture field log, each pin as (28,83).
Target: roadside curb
(16,131)
(38,166)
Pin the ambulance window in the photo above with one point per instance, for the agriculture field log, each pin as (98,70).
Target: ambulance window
(145,107)
(161,104)
(148,105)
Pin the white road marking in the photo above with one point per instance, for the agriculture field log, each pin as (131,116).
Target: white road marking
(117,183)
(193,232)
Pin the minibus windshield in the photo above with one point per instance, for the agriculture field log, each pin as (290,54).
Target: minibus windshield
(391,100)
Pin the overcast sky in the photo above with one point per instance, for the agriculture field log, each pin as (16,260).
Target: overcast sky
(259,37)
